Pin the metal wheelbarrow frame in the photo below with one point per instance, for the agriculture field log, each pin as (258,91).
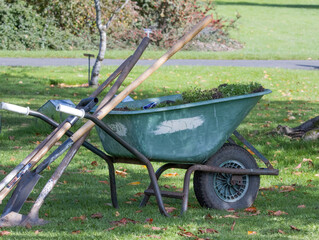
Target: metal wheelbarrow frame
(236,177)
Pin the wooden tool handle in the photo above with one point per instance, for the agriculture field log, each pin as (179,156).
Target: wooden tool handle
(115,101)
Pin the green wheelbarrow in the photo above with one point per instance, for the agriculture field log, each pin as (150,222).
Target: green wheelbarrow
(196,137)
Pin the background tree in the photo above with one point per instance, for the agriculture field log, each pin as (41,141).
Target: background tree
(102,31)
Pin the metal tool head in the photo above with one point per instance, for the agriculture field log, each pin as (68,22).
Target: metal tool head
(21,193)
(16,219)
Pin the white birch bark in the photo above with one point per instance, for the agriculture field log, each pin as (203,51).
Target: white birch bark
(102,48)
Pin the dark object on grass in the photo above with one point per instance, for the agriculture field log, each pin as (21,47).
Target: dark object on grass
(308,130)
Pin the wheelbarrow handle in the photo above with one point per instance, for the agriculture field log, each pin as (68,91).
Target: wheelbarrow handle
(14,108)
(70,110)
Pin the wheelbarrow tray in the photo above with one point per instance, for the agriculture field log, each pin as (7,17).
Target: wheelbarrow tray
(187,133)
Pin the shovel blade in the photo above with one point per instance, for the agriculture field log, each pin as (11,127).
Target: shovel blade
(16,219)
(12,219)
(22,192)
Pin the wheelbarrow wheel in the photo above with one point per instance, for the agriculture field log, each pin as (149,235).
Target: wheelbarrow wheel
(216,190)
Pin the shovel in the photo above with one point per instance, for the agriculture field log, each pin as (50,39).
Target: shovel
(30,179)
(8,183)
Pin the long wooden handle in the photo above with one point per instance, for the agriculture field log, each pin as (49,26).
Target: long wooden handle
(50,140)
(114,102)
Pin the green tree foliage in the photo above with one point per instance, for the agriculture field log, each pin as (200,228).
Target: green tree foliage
(21,27)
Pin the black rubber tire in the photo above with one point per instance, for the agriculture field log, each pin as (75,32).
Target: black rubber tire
(205,183)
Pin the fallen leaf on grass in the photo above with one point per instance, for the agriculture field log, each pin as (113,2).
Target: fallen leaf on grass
(170,209)
(276,213)
(294,228)
(81,218)
(171,174)
(117,214)
(94,163)
(63,85)
(11,138)
(287,189)
(149,220)
(105,182)
(231,216)
(281,231)
(134,183)
(251,210)
(302,206)
(167,186)
(123,221)
(139,211)
(252,232)
(297,173)
(111,228)
(308,160)
(187,234)
(36,232)
(4,233)
(138,194)
(207,230)
(97,215)
(233,226)
(2,172)
(76,232)
(156,228)
(121,173)
(208,216)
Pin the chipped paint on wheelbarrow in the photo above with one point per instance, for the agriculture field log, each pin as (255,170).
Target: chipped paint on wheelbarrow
(187,133)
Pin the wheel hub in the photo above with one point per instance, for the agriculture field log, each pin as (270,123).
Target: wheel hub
(228,187)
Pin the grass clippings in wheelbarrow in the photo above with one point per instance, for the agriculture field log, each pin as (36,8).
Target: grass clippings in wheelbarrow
(197,94)
(222,91)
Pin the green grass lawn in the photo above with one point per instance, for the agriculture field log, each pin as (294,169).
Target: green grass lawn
(81,191)
(273,29)
(269,29)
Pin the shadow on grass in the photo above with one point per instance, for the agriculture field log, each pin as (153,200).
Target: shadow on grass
(269,5)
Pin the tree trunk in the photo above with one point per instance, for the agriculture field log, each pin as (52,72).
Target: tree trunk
(308,130)
(97,65)
(102,30)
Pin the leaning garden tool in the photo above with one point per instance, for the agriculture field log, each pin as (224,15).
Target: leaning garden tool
(29,179)
(7,184)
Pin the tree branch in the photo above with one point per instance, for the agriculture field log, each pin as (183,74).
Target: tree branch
(107,25)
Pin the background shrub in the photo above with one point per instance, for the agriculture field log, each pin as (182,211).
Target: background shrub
(70,24)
